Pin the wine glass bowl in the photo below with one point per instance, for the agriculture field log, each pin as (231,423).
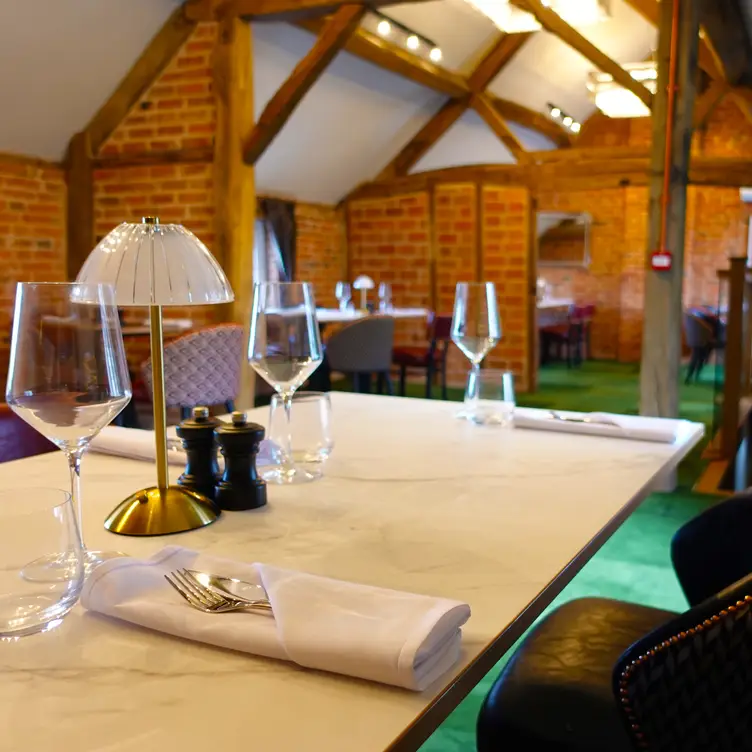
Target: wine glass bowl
(284,348)
(343,293)
(68,376)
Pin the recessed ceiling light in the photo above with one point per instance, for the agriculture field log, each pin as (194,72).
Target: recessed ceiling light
(436,55)
(384,28)
(576,127)
(567,121)
(555,112)
(413,42)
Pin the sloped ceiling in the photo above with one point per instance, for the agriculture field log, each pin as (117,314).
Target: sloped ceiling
(60,60)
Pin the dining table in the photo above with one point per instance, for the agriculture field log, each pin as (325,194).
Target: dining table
(412,499)
(337,315)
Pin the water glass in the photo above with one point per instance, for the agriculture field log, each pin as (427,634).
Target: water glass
(385,297)
(489,397)
(37,523)
(311,429)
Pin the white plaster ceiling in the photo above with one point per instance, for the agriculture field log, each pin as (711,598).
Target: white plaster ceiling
(60,59)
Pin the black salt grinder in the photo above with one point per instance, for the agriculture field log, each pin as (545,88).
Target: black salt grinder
(197,435)
(239,488)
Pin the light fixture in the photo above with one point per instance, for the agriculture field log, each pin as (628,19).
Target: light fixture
(513,20)
(560,116)
(615,101)
(155,265)
(400,34)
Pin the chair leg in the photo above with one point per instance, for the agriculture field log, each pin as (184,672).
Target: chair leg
(387,380)
(403,380)
(429,380)
(230,406)
(443,377)
(380,382)
(692,367)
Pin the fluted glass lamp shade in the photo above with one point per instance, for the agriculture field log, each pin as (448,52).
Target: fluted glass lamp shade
(151,264)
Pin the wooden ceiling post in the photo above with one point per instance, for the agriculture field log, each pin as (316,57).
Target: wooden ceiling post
(79,175)
(234,184)
(662,325)
(281,106)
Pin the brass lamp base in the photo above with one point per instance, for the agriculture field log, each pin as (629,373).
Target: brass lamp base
(152,511)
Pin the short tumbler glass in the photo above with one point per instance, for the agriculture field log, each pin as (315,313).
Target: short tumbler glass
(489,397)
(311,428)
(37,522)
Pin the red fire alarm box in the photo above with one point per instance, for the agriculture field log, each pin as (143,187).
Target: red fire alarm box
(661,261)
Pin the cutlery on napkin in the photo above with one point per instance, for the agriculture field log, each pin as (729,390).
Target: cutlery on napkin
(368,632)
(635,427)
(138,444)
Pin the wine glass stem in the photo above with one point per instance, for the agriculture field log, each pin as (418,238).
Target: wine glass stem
(74,464)
(287,402)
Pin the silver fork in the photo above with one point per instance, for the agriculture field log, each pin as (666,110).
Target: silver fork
(208,601)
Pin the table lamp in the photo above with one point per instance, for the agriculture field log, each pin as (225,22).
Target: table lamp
(364,284)
(155,265)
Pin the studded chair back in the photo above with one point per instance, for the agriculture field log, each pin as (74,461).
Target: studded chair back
(687,686)
(202,368)
(365,346)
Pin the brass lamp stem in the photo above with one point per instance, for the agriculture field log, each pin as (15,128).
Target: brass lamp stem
(158,395)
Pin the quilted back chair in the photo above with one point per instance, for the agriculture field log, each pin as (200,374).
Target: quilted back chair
(202,368)
(687,686)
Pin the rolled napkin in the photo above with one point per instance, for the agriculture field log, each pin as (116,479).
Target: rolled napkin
(368,632)
(138,444)
(635,427)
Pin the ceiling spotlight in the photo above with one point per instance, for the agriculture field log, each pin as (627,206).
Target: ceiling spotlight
(555,112)
(384,28)
(413,42)
(567,121)
(575,127)
(436,55)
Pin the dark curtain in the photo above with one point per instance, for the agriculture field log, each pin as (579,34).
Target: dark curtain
(280,218)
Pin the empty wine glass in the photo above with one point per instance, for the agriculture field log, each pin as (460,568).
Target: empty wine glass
(343,293)
(68,376)
(284,348)
(385,297)
(476,328)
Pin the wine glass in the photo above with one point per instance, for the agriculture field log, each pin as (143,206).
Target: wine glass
(67,378)
(476,328)
(284,348)
(343,293)
(385,297)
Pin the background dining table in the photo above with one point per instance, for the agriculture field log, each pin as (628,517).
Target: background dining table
(335,315)
(412,499)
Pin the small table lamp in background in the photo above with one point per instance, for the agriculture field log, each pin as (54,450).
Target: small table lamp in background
(364,284)
(155,265)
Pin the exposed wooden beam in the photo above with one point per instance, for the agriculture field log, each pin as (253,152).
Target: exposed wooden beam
(498,56)
(234,185)
(281,106)
(428,135)
(708,58)
(707,103)
(533,120)
(276,10)
(389,56)
(79,174)
(483,105)
(152,61)
(553,23)
(725,27)
(743,99)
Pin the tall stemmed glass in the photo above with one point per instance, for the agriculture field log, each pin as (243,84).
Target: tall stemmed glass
(343,293)
(476,328)
(285,349)
(68,376)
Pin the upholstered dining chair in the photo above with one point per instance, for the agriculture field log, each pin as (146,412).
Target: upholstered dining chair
(18,439)
(202,368)
(701,340)
(431,358)
(599,674)
(364,348)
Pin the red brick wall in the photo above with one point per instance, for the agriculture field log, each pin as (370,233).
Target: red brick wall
(321,250)
(32,234)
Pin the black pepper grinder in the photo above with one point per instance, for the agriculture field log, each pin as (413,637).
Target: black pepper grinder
(197,435)
(239,488)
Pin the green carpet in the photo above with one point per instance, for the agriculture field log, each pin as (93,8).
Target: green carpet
(634,565)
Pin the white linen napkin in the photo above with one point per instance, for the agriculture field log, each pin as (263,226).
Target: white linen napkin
(635,427)
(372,633)
(138,444)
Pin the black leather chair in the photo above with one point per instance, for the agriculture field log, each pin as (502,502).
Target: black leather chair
(598,675)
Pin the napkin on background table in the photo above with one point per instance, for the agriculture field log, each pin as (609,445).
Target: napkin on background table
(635,427)
(372,633)
(138,444)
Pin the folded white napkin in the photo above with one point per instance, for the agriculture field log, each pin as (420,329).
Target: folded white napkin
(635,427)
(137,444)
(382,635)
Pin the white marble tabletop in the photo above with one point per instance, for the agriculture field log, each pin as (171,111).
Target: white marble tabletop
(332,315)
(414,499)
